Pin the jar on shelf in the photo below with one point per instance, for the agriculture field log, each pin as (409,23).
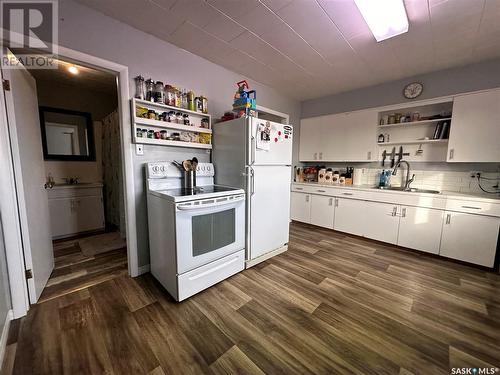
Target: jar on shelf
(184,100)
(149,90)
(178,98)
(138,132)
(140,87)
(164,134)
(159,92)
(171,117)
(151,134)
(190,101)
(205,123)
(152,115)
(144,133)
(157,134)
(176,136)
(163,116)
(186,120)
(169,95)
(179,118)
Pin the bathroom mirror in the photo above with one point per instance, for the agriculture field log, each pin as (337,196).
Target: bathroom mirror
(67,135)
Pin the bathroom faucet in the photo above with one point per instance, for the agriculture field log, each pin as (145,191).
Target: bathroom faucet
(408,180)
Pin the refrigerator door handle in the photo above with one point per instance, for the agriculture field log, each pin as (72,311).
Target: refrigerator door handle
(252,177)
(252,151)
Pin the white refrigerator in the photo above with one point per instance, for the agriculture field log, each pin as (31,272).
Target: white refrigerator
(256,155)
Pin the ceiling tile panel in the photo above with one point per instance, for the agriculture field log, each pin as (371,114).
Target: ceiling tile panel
(259,20)
(346,16)
(198,12)
(235,8)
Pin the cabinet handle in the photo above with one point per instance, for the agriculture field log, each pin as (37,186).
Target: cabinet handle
(394,210)
(320,156)
(369,155)
(472,207)
(347,194)
(297,188)
(307,198)
(321,191)
(330,202)
(448,218)
(452,153)
(403,212)
(315,156)
(336,202)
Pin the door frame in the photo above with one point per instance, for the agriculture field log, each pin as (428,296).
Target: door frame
(10,221)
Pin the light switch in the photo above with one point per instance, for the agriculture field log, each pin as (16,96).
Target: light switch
(139,149)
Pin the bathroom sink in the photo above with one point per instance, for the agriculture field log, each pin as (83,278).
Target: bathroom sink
(412,190)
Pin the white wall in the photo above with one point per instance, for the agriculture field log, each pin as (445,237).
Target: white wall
(88,31)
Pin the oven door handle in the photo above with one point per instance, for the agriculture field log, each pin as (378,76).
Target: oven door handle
(216,204)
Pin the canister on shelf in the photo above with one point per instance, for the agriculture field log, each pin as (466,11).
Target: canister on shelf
(151,115)
(164,134)
(179,118)
(144,133)
(171,117)
(190,101)
(178,97)
(169,95)
(138,132)
(157,134)
(186,120)
(151,134)
(140,87)
(149,90)
(159,92)
(205,123)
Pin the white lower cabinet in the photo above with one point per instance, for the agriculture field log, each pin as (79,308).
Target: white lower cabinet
(470,238)
(322,211)
(300,207)
(381,221)
(420,228)
(349,216)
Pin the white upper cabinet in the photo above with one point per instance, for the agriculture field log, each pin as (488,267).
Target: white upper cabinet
(475,128)
(312,143)
(339,137)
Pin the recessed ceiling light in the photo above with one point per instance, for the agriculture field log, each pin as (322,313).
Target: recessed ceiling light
(385,19)
(73,69)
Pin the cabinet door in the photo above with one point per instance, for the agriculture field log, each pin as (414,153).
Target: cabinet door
(475,128)
(351,136)
(322,211)
(349,216)
(300,208)
(420,228)
(382,222)
(90,213)
(470,238)
(311,139)
(61,217)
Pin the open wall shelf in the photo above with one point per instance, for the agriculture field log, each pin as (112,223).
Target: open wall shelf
(199,137)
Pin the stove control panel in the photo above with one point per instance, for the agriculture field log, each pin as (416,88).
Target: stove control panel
(166,169)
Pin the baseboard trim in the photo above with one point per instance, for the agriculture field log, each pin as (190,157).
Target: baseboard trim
(262,258)
(143,269)
(5,335)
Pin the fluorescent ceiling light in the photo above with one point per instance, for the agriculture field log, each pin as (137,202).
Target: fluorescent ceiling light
(73,69)
(385,18)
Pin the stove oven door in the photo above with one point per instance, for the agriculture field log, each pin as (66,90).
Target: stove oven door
(209,229)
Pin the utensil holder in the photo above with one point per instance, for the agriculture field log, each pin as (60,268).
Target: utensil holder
(189,180)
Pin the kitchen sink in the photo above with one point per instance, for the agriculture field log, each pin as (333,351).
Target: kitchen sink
(411,190)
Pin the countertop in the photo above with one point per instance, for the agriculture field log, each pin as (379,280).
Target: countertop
(491,198)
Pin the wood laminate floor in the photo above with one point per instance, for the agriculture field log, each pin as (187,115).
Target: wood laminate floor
(332,304)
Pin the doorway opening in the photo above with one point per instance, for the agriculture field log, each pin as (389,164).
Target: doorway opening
(80,134)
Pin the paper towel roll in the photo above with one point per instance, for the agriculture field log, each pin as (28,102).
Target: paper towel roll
(357,176)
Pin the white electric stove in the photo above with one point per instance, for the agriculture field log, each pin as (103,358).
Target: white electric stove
(196,237)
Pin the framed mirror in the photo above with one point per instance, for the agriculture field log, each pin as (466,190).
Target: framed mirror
(67,135)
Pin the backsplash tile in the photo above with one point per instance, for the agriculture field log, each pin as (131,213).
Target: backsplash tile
(437,180)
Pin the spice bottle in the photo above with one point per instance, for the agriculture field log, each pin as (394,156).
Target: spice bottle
(149,90)
(190,101)
(140,88)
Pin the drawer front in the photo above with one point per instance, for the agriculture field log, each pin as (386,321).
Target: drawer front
(473,207)
(313,189)
(201,278)
(75,192)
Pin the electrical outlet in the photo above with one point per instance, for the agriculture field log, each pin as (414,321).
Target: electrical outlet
(473,174)
(139,149)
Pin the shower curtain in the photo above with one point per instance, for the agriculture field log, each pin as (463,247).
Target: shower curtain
(114,206)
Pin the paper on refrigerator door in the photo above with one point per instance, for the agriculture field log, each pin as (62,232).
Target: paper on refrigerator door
(263,137)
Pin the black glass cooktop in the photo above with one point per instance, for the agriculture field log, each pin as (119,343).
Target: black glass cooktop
(198,191)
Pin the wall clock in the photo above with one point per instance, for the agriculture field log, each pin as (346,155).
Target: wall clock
(413,90)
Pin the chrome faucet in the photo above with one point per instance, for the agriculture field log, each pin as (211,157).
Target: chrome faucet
(408,180)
